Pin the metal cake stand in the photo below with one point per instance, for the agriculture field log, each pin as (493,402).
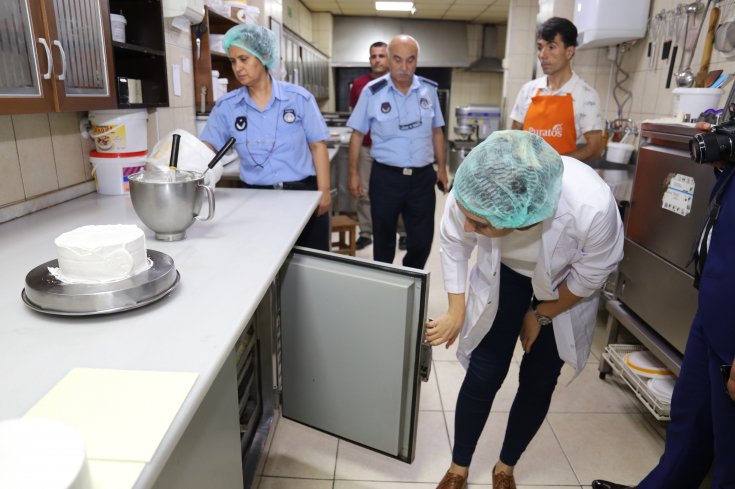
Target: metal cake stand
(47,294)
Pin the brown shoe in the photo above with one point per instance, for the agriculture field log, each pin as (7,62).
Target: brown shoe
(452,481)
(503,481)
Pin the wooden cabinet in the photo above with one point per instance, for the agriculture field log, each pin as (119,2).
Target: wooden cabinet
(206,60)
(304,64)
(56,56)
(143,54)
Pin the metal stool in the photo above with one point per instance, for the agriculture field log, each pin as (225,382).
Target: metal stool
(347,229)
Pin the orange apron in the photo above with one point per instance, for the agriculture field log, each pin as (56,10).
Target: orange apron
(552,118)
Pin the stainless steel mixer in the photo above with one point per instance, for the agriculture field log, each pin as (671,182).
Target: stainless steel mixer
(475,122)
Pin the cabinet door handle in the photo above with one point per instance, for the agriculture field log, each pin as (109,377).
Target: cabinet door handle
(49,61)
(62,76)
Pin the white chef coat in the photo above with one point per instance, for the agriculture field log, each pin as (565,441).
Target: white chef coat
(582,244)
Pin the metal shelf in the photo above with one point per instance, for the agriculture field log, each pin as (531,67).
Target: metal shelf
(614,355)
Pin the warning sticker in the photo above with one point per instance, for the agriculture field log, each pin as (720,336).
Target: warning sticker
(679,194)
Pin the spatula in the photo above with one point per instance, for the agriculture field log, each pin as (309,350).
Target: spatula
(712,77)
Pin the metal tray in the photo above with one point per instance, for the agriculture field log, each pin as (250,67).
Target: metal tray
(45,293)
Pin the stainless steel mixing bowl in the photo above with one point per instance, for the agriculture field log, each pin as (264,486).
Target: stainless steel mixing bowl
(168,202)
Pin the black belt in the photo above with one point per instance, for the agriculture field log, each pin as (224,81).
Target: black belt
(308,183)
(414,170)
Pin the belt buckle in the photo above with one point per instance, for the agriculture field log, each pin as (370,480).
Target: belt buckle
(408,171)
(278,186)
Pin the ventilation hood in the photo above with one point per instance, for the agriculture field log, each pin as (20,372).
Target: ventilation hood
(489,62)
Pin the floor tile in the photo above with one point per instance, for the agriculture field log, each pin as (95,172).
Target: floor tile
(292,483)
(442,353)
(618,447)
(543,462)
(432,457)
(587,393)
(382,485)
(299,451)
(451,375)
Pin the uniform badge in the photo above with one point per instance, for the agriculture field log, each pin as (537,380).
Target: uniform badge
(424,103)
(241,123)
(385,108)
(289,116)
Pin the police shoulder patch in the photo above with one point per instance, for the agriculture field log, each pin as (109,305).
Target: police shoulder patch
(428,82)
(378,86)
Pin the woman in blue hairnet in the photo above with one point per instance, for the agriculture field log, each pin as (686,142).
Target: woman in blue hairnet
(280,133)
(548,233)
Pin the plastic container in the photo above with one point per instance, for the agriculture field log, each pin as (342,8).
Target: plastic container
(694,101)
(111,170)
(619,152)
(215,43)
(117,26)
(119,131)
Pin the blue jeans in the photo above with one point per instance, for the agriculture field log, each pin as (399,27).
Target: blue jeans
(488,367)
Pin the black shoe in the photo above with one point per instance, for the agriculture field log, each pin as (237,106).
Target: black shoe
(402,243)
(362,242)
(600,484)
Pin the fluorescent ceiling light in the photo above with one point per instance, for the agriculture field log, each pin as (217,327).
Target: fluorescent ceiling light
(394,6)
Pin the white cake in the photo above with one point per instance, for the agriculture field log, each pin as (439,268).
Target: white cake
(98,254)
(40,453)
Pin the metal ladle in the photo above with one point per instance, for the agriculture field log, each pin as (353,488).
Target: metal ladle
(685,77)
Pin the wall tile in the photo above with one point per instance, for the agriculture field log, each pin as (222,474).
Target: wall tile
(11,183)
(33,137)
(66,140)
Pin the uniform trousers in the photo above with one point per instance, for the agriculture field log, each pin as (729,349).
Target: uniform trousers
(363,203)
(394,193)
(316,233)
(488,368)
(702,427)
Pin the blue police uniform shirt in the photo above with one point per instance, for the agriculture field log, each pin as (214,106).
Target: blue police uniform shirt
(273,143)
(400,125)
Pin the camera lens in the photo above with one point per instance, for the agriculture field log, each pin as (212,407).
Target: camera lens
(709,147)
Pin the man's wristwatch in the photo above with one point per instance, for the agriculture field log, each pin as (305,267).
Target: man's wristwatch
(542,320)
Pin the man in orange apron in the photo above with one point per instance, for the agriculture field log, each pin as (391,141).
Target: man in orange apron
(560,107)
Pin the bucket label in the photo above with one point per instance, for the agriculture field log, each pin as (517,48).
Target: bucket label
(107,138)
(130,170)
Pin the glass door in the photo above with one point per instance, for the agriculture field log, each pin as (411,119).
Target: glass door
(25,58)
(80,33)
(352,351)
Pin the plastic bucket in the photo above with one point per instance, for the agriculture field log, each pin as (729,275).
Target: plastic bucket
(111,170)
(117,26)
(694,101)
(119,131)
(619,152)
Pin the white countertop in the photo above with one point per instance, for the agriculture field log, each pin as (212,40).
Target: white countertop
(226,265)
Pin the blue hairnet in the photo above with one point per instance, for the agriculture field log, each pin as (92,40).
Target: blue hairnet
(512,180)
(256,40)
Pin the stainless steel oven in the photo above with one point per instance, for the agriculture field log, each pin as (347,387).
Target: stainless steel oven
(668,205)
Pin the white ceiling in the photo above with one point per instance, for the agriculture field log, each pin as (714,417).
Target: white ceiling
(477,11)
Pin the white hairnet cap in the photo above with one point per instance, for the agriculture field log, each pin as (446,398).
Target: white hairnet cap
(512,179)
(255,39)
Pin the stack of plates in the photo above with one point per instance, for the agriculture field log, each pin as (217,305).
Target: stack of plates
(660,379)
(662,389)
(643,363)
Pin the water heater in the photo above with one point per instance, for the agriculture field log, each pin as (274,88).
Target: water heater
(609,22)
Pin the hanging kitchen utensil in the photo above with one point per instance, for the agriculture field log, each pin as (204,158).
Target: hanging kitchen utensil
(714,18)
(725,39)
(712,77)
(685,77)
